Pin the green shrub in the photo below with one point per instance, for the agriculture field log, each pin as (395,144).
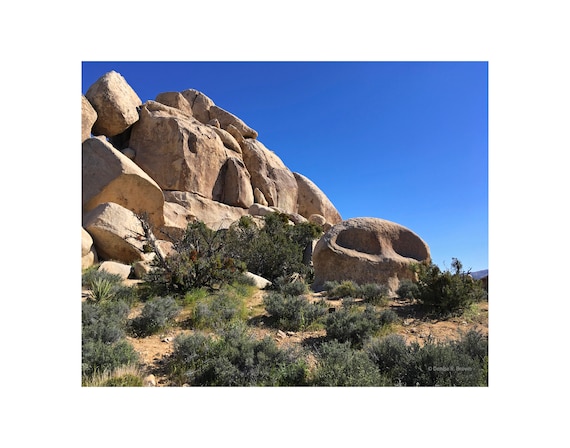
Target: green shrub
(293,312)
(235,358)
(217,310)
(374,293)
(338,364)
(124,376)
(387,317)
(104,322)
(447,292)
(275,250)
(199,261)
(408,289)
(330,285)
(347,288)
(455,363)
(156,315)
(292,288)
(352,324)
(99,356)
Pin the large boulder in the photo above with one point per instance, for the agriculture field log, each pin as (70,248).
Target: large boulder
(205,110)
(368,250)
(312,201)
(110,176)
(214,214)
(176,100)
(88,252)
(115,102)
(270,175)
(178,151)
(117,233)
(176,220)
(237,190)
(88,118)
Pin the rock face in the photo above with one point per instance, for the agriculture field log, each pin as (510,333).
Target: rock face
(110,176)
(312,201)
(270,176)
(88,253)
(368,250)
(177,151)
(115,102)
(182,158)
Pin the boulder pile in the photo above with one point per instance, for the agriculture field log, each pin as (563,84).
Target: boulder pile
(177,159)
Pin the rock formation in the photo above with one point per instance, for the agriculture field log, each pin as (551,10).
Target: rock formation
(181,158)
(368,250)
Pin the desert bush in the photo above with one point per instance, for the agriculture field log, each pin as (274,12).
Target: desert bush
(217,310)
(199,261)
(346,288)
(374,293)
(235,358)
(290,287)
(387,317)
(447,292)
(273,251)
(157,314)
(329,285)
(104,286)
(353,324)
(293,312)
(408,289)
(124,376)
(338,364)
(454,363)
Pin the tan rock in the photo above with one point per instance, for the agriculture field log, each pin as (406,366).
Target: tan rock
(88,118)
(214,214)
(259,281)
(368,250)
(88,252)
(177,151)
(176,220)
(317,219)
(176,100)
(110,176)
(270,175)
(311,200)
(260,210)
(226,118)
(113,267)
(238,191)
(115,102)
(117,233)
(227,139)
(259,197)
(236,134)
(199,103)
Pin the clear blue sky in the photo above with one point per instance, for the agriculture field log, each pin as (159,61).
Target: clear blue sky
(406,142)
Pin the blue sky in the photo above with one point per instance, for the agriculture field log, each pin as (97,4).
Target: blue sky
(402,141)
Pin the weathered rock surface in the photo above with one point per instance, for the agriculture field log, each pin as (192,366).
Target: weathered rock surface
(113,267)
(237,190)
(177,151)
(270,175)
(312,201)
(110,176)
(88,252)
(227,139)
(176,220)
(214,214)
(259,281)
(368,250)
(88,118)
(117,233)
(176,100)
(115,102)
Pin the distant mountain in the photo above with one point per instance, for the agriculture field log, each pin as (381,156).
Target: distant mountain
(480,274)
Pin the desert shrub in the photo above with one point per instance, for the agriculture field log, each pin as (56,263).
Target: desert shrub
(374,293)
(330,285)
(92,274)
(351,324)
(105,286)
(273,251)
(99,356)
(408,289)
(217,310)
(338,364)
(387,317)
(104,322)
(199,261)
(156,315)
(447,292)
(455,363)
(346,288)
(290,287)
(235,358)
(124,376)
(293,312)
